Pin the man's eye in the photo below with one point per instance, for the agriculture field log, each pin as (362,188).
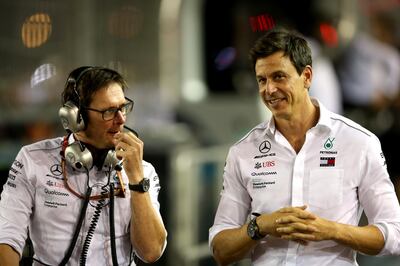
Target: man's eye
(109,111)
(261,81)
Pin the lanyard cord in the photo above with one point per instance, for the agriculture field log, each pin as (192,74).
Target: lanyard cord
(78,227)
(119,192)
(112,227)
(92,228)
(112,193)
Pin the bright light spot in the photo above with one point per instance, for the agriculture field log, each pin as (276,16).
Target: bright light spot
(329,34)
(36,30)
(262,22)
(194,91)
(225,58)
(42,73)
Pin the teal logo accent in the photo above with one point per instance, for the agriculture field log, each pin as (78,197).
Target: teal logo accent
(329,143)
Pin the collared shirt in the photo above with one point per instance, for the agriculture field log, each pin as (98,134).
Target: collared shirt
(35,198)
(339,172)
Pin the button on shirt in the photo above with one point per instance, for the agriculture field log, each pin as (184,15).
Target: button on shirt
(339,172)
(35,197)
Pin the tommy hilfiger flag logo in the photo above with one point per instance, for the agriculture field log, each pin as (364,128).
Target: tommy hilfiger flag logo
(327,161)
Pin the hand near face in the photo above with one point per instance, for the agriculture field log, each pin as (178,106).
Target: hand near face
(129,148)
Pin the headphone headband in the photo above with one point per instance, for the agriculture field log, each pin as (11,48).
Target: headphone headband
(82,72)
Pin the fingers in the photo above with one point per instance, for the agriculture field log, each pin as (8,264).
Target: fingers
(299,212)
(128,137)
(296,227)
(127,145)
(299,237)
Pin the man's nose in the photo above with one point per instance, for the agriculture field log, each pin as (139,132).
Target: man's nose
(269,87)
(119,117)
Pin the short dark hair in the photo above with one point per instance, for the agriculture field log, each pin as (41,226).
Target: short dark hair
(291,43)
(84,81)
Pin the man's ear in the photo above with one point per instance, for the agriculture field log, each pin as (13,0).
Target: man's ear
(307,76)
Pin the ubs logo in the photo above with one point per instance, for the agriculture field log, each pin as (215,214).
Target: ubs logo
(265,146)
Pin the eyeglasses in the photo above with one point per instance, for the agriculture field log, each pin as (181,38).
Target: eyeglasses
(109,114)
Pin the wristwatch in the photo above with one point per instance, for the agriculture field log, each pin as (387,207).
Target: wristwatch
(253,231)
(143,185)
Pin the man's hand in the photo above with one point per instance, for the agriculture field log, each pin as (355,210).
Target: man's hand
(292,223)
(297,224)
(293,226)
(130,148)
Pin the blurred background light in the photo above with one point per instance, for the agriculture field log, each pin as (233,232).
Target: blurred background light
(125,22)
(262,22)
(225,58)
(329,34)
(36,30)
(42,73)
(194,91)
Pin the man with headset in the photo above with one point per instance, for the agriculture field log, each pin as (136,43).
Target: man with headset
(68,194)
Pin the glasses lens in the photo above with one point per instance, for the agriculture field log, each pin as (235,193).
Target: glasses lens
(127,108)
(109,114)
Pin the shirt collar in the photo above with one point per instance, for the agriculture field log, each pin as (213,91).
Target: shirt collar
(324,121)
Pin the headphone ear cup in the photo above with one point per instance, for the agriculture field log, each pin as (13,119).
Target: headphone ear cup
(112,161)
(78,156)
(71,118)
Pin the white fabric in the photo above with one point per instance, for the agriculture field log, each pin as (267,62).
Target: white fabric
(264,181)
(325,83)
(35,197)
(370,68)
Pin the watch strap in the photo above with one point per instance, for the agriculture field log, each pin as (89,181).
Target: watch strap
(142,186)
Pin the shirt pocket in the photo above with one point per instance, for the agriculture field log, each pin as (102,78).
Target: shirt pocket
(326,188)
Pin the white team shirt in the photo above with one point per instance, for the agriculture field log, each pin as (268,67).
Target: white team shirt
(339,172)
(35,197)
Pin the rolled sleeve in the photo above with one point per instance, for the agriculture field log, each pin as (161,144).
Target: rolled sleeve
(16,204)
(378,198)
(391,233)
(234,205)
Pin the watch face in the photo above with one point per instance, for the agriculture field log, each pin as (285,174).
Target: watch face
(251,229)
(146,184)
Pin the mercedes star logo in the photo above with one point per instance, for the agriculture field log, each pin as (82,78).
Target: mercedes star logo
(265,146)
(56,169)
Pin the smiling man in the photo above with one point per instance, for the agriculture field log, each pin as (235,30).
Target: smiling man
(299,201)
(69,193)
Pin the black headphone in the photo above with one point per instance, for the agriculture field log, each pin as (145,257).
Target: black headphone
(72,119)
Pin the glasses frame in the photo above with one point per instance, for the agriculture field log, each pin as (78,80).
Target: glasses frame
(115,110)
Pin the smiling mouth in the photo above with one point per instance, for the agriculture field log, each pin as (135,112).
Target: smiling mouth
(274,101)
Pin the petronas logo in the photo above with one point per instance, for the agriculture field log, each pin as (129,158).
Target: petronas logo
(329,143)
